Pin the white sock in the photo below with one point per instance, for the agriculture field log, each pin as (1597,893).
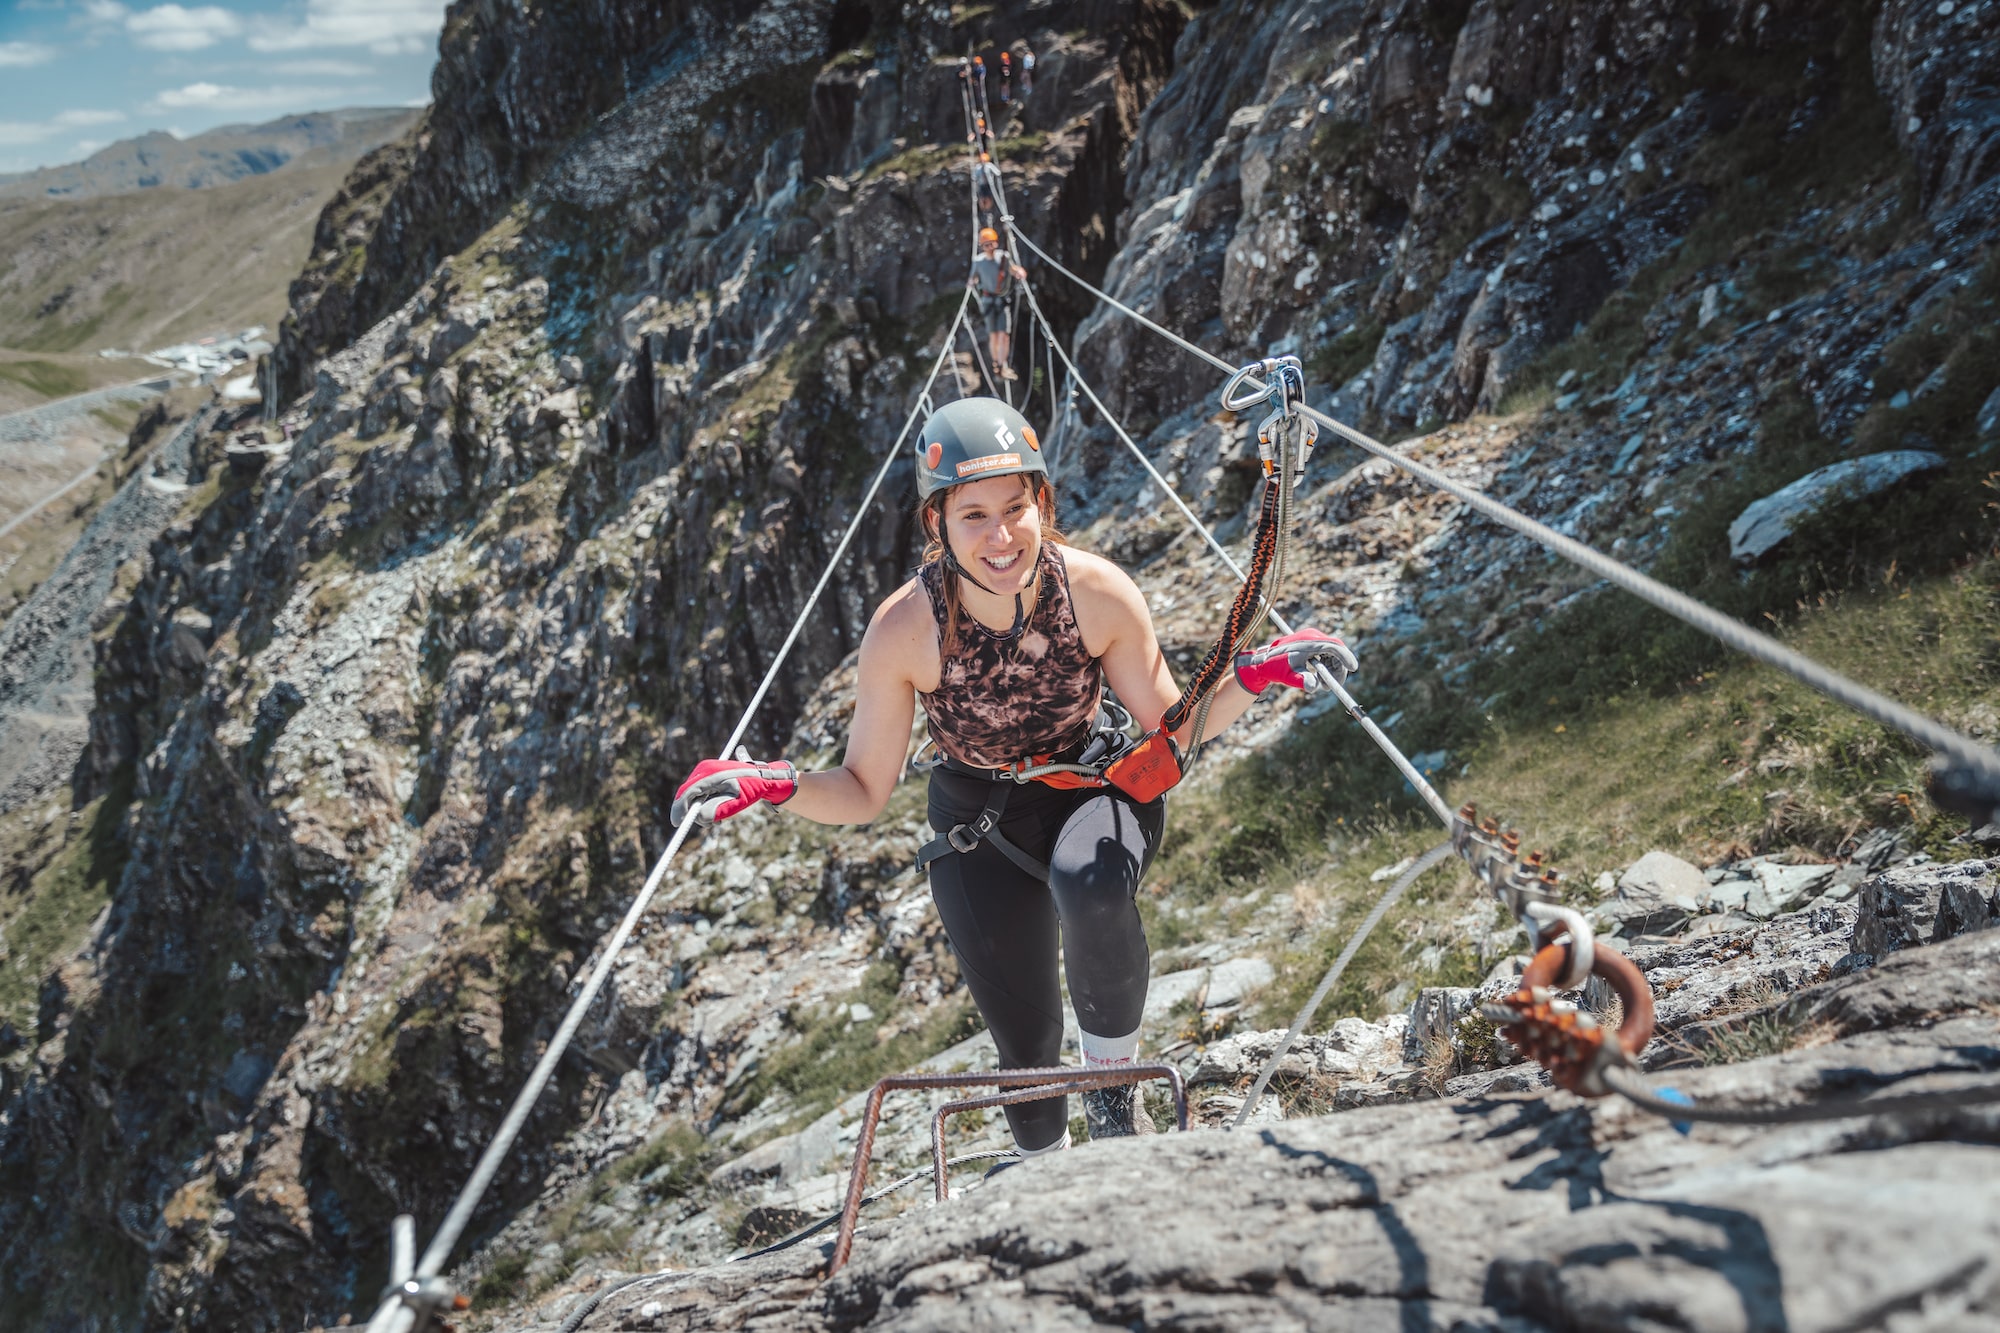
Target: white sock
(1099,1051)
(1057,1146)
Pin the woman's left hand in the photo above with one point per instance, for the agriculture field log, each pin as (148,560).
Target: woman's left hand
(1289,660)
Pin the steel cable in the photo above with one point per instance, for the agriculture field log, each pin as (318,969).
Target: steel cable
(1353,708)
(1725,629)
(1311,1006)
(455,1221)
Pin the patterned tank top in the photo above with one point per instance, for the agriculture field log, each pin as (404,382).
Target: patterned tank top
(1001,698)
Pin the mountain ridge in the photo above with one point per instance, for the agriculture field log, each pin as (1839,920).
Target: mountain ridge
(214,157)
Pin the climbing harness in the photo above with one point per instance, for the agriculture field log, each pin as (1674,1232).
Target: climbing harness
(985,828)
(1081,765)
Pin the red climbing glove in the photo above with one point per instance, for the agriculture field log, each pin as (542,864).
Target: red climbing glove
(720,788)
(1289,660)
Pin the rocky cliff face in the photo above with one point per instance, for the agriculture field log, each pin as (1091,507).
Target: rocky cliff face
(590,372)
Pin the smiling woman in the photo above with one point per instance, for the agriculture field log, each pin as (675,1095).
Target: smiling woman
(1009,637)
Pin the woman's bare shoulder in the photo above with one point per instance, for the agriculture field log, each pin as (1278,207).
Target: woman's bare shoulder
(903,612)
(902,638)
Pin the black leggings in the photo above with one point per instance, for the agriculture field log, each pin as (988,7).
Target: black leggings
(1003,922)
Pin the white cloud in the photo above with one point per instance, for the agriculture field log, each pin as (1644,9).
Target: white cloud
(385,27)
(325,69)
(220,97)
(16,54)
(18,132)
(89,146)
(106,11)
(173,28)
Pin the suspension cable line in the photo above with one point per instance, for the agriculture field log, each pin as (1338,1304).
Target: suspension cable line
(1725,629)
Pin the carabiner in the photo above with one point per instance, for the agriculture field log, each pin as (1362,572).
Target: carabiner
(1284,378)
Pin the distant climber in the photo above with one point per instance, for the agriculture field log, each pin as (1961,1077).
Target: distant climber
(1008,637)
(979,75)
(1027,72)
(993,277)
(1006,78)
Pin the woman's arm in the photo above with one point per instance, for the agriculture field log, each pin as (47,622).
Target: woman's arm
(885,703)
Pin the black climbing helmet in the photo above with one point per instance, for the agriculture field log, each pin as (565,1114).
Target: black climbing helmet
(973,439)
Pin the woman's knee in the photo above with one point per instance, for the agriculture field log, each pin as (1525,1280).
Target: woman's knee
(1097,859)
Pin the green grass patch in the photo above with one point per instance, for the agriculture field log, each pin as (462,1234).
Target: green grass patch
(1341,358)
(47,922)
(832,1057)
(45,378)
(1733,760)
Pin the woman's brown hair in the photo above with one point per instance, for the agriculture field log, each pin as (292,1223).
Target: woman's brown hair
(931,514)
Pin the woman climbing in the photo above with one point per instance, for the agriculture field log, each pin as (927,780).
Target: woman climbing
(1008,636)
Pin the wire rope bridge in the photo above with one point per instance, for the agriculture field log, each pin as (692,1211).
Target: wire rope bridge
(1580,1056)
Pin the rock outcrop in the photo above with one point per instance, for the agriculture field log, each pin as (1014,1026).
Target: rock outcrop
(1483,1212)
(589,376)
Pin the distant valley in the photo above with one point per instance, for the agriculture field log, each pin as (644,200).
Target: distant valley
(155,240)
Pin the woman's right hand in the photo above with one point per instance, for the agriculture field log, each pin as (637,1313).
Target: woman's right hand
(720,788)
(1290,660)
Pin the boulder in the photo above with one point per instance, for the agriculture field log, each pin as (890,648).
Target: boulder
(1780,888)
(1908,905)
(1231,982)
(1765,525)
(1656,894)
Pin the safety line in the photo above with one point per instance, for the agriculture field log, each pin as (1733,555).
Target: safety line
(1311,1006)
(1117,304)
(1725,629)
(1326,679)
(475,1188)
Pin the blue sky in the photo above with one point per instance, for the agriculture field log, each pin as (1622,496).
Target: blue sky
(77,74)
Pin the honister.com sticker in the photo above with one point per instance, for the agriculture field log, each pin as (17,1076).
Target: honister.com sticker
(990,463)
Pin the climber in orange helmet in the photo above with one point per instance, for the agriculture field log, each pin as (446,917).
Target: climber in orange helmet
(993,277)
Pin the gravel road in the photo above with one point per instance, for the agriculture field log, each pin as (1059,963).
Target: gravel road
(45,658)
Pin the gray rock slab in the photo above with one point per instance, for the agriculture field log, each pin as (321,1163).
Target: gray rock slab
(1164,992)
(1900,907)
(1233,982)
(1505,1210)
(1760,528)
(1779,888)
(1692,976)
(1658,892)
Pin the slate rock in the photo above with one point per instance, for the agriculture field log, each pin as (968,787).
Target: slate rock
(1763,526)
(1779,888)
(1500,1209)
(1232,982)
(1657,893)
(1901,907)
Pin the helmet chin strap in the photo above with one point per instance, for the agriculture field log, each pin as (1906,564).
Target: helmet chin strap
(1020,610)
